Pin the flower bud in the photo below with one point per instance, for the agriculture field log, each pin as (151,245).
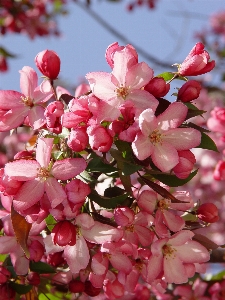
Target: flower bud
(48,63)
(197,62)
(76,286)
(158,87)
(33,278)
(189,91)
(64,234)
(4,275)
(90,290)
(208,212)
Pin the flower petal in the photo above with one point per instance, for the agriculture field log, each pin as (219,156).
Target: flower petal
(68,168)
(22,169)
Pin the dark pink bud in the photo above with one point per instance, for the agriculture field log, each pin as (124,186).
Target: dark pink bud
(64,233)
(33,278)
(6,292)
(99,138)
(78,139)
(76,286)
(158,87)
(90,290)
(4,275)
(208,212)
(189,91)
(48,63)
(56,259)
(197,62)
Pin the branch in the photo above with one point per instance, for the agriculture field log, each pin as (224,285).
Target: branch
(120,36)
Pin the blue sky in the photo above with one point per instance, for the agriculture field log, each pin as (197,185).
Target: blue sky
(166,33)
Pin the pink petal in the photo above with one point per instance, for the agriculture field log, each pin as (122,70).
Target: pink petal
(101,85)
(36,117)
(121,262)
(165,156)
(147,201)
(193,252)
(174,270)
(143,99)
(183,138)
(7,244)
(101,233)
(139,75)
(147,121)
(173,222)
(54,191)
(44,150)
(145,235)
(29,194)
(154,267)
(28,81)
(10,99)
(85,221)
(68,168)
(181,237)
(22,169)
(77,256)
(13,118)
(173,116)
(19,261)
(142,147)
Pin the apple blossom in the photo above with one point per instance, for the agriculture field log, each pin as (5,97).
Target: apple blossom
(208,212)
(160,137)
(16,106)
(41,175)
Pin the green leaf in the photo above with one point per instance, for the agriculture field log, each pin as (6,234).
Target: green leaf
(41,267)
(199,128)
(97,165)
(6,53)
(172,180)
(207,143)
(217,277)
(193,111)
(107,202)
(50,222)
(20,288)
(166,75)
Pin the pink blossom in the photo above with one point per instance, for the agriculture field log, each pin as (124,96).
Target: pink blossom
(99,138)
(123,84)
(160,138)
(197,62)
(196,291)
(208,212)
(53,113)
(16,106)
(41,175)
(175,257)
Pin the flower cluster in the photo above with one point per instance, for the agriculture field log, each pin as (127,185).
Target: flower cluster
(89,196)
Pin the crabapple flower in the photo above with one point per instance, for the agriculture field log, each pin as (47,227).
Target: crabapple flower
(197,62)
(123,84)
(217,120)
(160,138)
(48,63)
(16,106)
(175,257)
(41,175)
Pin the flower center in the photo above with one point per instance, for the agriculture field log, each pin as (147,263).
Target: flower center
(168,251)
(155,137)
(27,101)
(130,228)
(163,204)
(43,173)
(122,91)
